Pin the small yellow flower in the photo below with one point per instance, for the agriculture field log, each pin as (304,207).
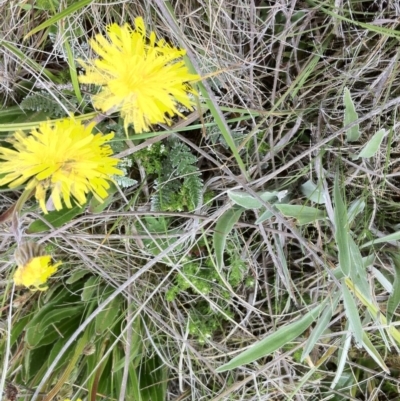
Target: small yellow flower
(34,268)
(63,157)
(143,79)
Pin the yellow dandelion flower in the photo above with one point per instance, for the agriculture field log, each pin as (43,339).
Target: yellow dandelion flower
(34,268)
(143,78)
(63,157)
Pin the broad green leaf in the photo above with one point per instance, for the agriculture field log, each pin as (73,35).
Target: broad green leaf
(90,287)
(106,319)
(222,229)
(56,218)
(313,192)
(354,209)
(375,355)
(248,201)
(264,216)
(273,342)
(394,297)
(76,276)
(303,214)
(341,229)
(351,311)
(350,115)
(358,271)
(372,146)
(320,327)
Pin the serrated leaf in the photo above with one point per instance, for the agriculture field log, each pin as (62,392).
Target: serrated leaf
(313,192)
(248,201)
(303,214)
(372,146)
(273,342)
(222,229)
(350,115)
(56,218)
(351,311)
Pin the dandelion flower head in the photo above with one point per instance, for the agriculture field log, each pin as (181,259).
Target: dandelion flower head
(64,158)
(143,78)
(34,268)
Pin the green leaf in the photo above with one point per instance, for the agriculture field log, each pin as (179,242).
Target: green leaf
(387,238)
(90,287)
(76,276)
(248,201)
(106,319)
(273,342)
(394,297)
(264,216)
(320,327)
(56,218)
(358,271)
(341,229)
(375,355)
(372,145)
(350,115)
(313,192)
(303,214)
(75,6)
(95,206)
(351,311)
(222,229)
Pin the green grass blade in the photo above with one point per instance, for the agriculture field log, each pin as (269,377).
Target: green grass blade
(350,115)
(394,298)
(341,229)
(352,314)
(273,342)
(375,355)
(222,229)
(320,327)
(75,6)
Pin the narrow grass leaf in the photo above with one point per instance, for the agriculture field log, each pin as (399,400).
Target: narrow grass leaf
(387,238)
(352,314)
(394,298)
(313,192)
(373,352)
(350,115)
(341,229)
(358,271)
(273,342)
(373,145)
(320,327)
(75,6)
(303,214)
(342,358)
(222,229)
